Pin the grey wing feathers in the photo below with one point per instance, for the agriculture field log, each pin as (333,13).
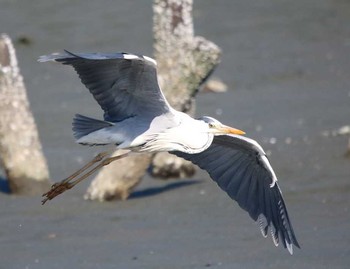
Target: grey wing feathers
(124,85)
(238,165)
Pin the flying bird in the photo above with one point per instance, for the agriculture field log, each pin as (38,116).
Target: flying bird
(138,118)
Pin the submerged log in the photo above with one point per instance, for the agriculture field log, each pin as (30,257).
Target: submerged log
(20,149)
(184,63)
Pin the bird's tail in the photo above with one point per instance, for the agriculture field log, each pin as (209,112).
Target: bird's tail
(83,125)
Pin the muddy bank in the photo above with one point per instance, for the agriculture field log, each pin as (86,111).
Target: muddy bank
(287,72)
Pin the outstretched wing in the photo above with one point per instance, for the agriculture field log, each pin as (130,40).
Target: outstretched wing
(240,167)
(124,85)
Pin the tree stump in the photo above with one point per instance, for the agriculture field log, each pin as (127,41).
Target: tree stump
(184,63)
(20,149)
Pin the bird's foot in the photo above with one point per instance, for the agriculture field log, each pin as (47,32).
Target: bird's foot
(71,181)
(56,189)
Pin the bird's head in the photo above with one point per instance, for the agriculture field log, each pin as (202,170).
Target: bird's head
(217,128)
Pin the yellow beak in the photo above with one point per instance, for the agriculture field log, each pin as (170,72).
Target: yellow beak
(229,130)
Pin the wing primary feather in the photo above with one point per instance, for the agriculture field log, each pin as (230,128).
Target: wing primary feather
(253,195)
(243,191)
(217,171)
(240,179)
(263,225)
(218,163)
(119,83)
(266,208)
(250,181)
(226,177)
(233,186)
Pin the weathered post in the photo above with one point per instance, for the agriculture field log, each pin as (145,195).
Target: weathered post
(184,63)
(20,149)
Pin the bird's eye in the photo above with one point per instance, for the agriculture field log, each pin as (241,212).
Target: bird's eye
(211,125)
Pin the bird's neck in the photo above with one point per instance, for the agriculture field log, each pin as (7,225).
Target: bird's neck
(190,136)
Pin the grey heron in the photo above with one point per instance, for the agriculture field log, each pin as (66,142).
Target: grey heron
(138,118)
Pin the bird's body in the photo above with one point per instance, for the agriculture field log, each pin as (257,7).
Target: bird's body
(137,117)
(157,135)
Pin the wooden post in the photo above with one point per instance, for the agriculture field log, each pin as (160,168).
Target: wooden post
(20,149)
(184,63)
